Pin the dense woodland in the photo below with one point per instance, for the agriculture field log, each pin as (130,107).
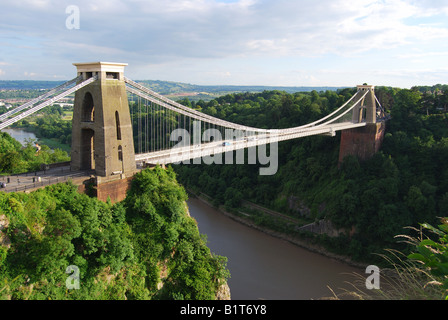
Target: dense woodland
(405,184)
(145,247)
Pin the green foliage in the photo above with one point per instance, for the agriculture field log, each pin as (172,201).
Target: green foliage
(120,249)
(402,185)
(17,159)
(433,254)
(53,127)
(156,213)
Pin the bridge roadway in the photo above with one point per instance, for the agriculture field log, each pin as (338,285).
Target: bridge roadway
(35,180)
(178,154)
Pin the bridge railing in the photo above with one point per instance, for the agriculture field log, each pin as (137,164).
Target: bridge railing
(43,171)
(38,183)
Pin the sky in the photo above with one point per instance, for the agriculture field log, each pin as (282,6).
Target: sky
(399,43)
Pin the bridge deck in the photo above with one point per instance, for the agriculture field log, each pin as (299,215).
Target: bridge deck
(36,180)
(178,154)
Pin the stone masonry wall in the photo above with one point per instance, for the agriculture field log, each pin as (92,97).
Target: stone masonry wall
(362,142)
(116,190)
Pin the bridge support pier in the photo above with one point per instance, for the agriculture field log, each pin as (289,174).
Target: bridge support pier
(102,131)
(362,142)
(115,190)
(102,139)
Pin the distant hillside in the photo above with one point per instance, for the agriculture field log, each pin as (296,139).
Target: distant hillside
(169,88)
(28,84)
(166,87)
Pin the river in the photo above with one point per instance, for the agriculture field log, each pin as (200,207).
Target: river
(266,267)
(20,135)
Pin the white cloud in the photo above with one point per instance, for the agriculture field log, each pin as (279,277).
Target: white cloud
(430,7)
(188,35)
(206,28)
(423,55)
(35,4)
(383,25)
(30,74)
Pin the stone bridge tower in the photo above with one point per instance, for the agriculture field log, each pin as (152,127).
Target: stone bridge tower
(102,131)
(365,141)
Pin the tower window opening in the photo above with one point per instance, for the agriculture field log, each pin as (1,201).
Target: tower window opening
(112,75)
(117,124)
(120,153)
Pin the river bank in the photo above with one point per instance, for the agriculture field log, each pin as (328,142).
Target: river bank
(23,134)
(312,247)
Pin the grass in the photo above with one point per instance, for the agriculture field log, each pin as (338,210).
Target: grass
(68,115)
(405,279)
(54,144)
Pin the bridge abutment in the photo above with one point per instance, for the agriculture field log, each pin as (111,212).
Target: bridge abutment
(362,142)
(114,190)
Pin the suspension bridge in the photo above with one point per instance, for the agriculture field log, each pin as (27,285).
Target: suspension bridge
(113,141)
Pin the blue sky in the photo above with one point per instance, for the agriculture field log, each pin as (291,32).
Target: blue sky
(398,43)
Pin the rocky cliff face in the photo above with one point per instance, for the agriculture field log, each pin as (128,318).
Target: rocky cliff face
(4,239)
(223,292)
(323,226)
(296,205)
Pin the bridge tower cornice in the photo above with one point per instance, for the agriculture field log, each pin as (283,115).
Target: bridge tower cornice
(104,70)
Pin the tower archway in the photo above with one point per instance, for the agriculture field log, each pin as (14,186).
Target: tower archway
(87,149)
(88,108)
